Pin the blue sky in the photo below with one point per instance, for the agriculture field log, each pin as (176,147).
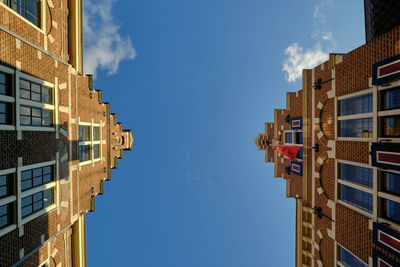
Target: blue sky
(195,81)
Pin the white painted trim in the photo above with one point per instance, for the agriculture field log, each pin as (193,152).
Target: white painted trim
(389,196)
(7,171)
(375,194)
(38,189)
(38,165)
(6,98)
(42,16)
(7,127)
(356,186)
(391,86)
(358,93)
(387,152)
(356,139)
(359,164)
(389,112)
(387,243)
(389,222)
(356,116)
(34,79)
(37,128)
(7,200)
(8,229)
(35,104)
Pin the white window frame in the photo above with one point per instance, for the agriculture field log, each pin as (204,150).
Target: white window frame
(91,142)
(293,137)
(339,263)
(42,16)
(387,112)
(372,115)
(8,200)
(339,181)
(8,99)
(34,190)
(19,101)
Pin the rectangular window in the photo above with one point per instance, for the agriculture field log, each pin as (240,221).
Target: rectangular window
(390,183)
(356,174)
(391,99)
(348,259)
(390,210)
(390,126)
(300,154)
(84,133)
(96,133)
(6,185)
(289,137)
(355,105)
(6,214)
(356,197)
(84,153)
(35,92)
(361,128)
(89,142)
(299,137)
(36,202)
(31,116)
(36,177)
(5,84)
(29,9)
(5,113)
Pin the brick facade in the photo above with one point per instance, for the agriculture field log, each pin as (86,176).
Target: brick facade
(342,224)
(42,54)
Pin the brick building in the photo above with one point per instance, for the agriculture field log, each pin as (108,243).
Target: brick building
(58,139)
(346,178)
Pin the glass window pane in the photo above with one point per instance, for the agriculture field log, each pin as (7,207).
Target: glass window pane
(37,205)
(3,180)
(348,259)
(3,119)
(3,221)
(35,88)
(3,210)
(84,133)
(47,169)
(361,128)
(37,172)
(36,112)
(288,138)
(355,105)
(3,191)
(2,78)
(36,121)
(84,153)
(356,174)
(38,196)
(26,201)
(46,95)
(391,99)
(299,137)
(25,120)
(391,126)
(25,111)
(26,211)
(355,197)
(3,90)
(37,181)
(391,210)
(46,178)
(35,96)
(26,174)
(3,107)
(48,197)
(391,183)
(96,133)
(24,94)
(26,185)
(96,151)
(24,85)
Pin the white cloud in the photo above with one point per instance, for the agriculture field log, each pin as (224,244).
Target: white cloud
(104,47)
(296,60)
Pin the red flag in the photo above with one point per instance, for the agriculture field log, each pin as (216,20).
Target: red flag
(288,151)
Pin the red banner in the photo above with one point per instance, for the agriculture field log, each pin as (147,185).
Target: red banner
(288,151)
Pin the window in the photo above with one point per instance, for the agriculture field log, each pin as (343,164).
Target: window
(36,202)
(355,186)
(7,199)
(37,104)
(294,137)
(29,9)
(389,196)
(89,142)
(355,116)
(355,105)
(288,137)
(37,190)
(5,99)
(389,112)
(349,260)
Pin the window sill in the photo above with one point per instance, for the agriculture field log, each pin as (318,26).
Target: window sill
(8,229)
